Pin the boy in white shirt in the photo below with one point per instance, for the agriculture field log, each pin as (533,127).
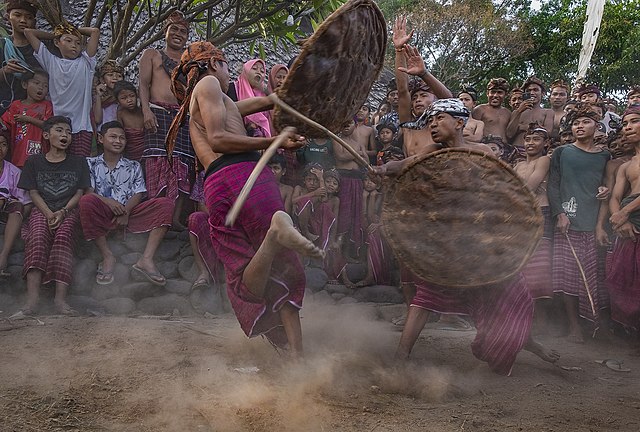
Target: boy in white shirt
(70,77)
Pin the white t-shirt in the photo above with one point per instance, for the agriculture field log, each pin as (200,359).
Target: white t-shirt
(70,85)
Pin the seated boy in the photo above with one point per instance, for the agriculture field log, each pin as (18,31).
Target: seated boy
(24,118)
(278,166)
(12,202)
(55,182)
(71,77)
(117,187)
(130,115)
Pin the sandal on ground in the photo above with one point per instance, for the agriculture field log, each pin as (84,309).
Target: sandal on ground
(23,313)
(199,283)
(153,277)
(67,310)
(103,277)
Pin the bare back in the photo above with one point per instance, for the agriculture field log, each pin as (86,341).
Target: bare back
(495,120)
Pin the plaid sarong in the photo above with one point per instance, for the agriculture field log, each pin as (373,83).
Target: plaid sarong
(321,220)
(50,252)
(155,143)
(380,257)
(537,272)
(350,212)
(135,143)
(159,175)
(199,227)
(235,247)
(502,314)
(98,220)
(566,274)
(81,143)
(623,282)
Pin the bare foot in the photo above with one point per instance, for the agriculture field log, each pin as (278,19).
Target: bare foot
(365,282)
(541,351)
(63,308)
(287,236)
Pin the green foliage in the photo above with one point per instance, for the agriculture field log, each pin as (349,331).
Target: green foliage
(557,34)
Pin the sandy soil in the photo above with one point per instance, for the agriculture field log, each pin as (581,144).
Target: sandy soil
(197,374)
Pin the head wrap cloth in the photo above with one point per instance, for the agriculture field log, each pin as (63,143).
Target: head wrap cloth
(452,106)
(582,110)
(64,28)
(176,18)
(244,90)
(193,63)
(30,7)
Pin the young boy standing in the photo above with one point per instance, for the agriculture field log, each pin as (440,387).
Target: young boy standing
(105,107)
(71,78)
(130,116)
(575,179)
(55,181)
(24,118)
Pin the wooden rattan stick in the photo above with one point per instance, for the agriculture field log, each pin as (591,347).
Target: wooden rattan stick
(285,107)
(264,159)
(584,276)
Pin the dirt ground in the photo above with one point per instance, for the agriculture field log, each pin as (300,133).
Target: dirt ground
(198,374)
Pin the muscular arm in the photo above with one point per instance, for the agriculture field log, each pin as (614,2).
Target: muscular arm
(438,89)
(145,70)
(539,173)
(209,99)
(254,105)
(513,128)
(402,82)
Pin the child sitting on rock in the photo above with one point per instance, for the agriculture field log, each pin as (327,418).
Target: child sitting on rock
(55,181)
(12,203)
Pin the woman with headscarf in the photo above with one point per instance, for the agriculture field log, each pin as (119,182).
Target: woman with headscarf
(277,75)
(250,84)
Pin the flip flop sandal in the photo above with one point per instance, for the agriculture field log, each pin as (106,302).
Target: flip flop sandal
(102,277)
(199,284)
(22,314)
(154,278)
(614,365)
(68,311)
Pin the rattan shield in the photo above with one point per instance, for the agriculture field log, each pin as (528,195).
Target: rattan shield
(459,218)
(331,78)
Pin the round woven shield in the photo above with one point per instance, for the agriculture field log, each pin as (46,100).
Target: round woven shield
(331,78)
(459,218)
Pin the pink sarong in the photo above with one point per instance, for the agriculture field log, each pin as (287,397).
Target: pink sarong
(380,257)
(161,177)
(98,220)
(135,143)
(350,213)
(321,220)
(81,143)
(502,314)
(623,282)
(235,247)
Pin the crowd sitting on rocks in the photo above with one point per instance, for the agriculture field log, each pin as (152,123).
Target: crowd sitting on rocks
(84,150)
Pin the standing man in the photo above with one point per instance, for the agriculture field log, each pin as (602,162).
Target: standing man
(575,190)
(558,99)
(529,111)
(493,114)
(503,313)
(265,277)
(159,108)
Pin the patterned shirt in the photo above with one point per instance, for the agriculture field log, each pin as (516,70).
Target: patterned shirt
(120,183)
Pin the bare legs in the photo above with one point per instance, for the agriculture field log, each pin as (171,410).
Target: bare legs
(571,308)
(11,231)
(416,320)
(34,279)
(203,277)
(281,235)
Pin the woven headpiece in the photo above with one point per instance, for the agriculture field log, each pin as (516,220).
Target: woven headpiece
(534,80)
(536,128)
(633,90)
(64,28)
(633,109)
(193,63)
(176,18)
(498,84)
(582,110)
(562,84)
(111,66)
(466,88)
(589,88)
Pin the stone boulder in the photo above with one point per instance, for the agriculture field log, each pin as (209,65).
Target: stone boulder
(118,305)
(188,269)
(165,304)
(379,294)
(316,279)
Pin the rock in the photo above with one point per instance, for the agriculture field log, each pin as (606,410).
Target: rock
(347,300)
(338,296)
(165,304)
(356,272)
(184,235)
(341,289)
(179,287)
(16,258)
(130,258)
(103,292)
(140,290)
(118,305)
(208,299)
(136,242)
(321,297)
(170,235)
(121,274)
(186,250)
(18,245)
(188,269)
(14,284)
(85,248)
(84,304)
(168,250)
(8,303)
(379,294)
(169,269)
(316,279)
(84,276)
(117,247)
